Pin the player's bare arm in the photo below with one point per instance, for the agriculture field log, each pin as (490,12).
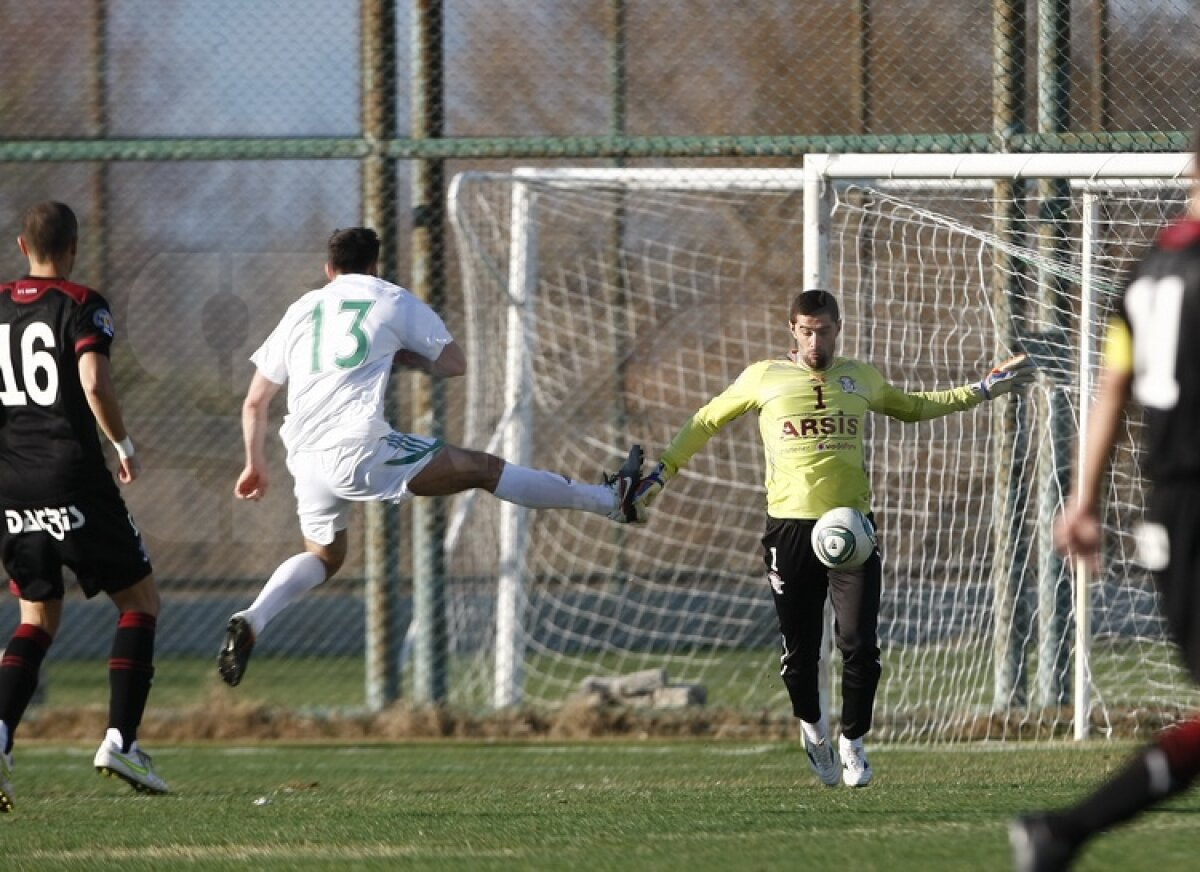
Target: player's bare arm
(95,376)
(1077,530)
(451,363)
(252,483)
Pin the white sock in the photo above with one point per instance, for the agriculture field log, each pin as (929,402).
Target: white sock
(292,579)
(818,732)
(113,736)
(538,489)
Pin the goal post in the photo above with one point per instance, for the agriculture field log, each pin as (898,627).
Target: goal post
(943,263)
(1091,174)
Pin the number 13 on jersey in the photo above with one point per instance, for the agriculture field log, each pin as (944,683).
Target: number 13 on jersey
(344,333)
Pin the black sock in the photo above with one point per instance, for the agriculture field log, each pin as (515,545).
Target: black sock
(19,669)
(130,672)
(1157,772)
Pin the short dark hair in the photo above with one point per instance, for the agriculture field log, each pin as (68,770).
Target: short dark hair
(815,302)
(353,250)
(49,229)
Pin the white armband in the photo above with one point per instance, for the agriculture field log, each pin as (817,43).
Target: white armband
(124,448)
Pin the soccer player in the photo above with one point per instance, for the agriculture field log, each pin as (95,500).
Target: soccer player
(335,349)
(60,503)
(811,408)
(1149,357)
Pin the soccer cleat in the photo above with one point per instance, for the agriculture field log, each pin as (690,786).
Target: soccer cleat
(132,766)
(1036,848)
(824,760)
(235,650)
(624,487)
(7,800)
(856,771)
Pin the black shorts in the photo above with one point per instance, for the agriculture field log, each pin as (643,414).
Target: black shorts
(93,535)
(1174,506)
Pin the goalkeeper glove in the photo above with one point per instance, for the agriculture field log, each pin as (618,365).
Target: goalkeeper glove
(1012,373)
(651,485)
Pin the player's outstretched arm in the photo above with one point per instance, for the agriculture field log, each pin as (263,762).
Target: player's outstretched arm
(1007,376)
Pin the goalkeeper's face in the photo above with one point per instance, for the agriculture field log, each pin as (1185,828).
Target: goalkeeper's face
(816,338)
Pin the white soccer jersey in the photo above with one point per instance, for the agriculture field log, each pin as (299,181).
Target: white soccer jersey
(334,348)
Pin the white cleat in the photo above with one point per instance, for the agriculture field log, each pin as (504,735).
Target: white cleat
(824,760)
(132,766)
(624,487)
(856,771)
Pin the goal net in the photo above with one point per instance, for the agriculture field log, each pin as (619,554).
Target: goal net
(603,307)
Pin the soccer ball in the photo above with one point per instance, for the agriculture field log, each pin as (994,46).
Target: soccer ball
(843,538)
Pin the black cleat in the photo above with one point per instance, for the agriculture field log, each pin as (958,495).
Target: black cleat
(624,487)
(235,651)
(1036,848)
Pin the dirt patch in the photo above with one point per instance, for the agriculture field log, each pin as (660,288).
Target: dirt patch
(221,720)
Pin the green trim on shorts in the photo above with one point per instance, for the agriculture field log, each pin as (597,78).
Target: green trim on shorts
(414,456)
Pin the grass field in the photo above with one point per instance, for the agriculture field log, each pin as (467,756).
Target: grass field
(586,806)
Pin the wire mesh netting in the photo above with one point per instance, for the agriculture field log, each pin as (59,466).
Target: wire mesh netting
(209,147)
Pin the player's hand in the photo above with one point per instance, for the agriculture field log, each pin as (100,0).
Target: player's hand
(1077,534)
(129,469)
(651,485)
(251,484)
(1007,376)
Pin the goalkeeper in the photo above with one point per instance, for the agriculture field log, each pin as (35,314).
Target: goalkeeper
(811,409)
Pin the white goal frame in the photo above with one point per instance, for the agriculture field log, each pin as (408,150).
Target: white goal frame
(1086,170)
(818,178)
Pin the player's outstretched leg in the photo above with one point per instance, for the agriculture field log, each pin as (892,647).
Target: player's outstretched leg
(624,486)
(1035,848)
(133,766)
(235,650)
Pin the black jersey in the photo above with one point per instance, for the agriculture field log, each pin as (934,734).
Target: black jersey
(1161,305)
(49,445)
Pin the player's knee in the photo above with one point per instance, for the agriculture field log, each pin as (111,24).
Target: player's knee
(477,469)
(332,555)
(140,597)
(857,652)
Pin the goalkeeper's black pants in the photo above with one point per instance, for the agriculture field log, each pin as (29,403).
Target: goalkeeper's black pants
(799,584)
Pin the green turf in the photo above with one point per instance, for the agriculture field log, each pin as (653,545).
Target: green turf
(589,806)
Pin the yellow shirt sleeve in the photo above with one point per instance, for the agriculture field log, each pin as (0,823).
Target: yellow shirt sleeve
(1118,346)
(739,398)
(924,405)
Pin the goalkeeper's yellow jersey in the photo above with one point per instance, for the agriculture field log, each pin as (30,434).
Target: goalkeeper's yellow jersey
(812,426)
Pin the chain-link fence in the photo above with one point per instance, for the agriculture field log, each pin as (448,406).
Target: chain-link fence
(210,146)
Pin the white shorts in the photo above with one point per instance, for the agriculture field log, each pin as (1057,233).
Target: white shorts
(329,480)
